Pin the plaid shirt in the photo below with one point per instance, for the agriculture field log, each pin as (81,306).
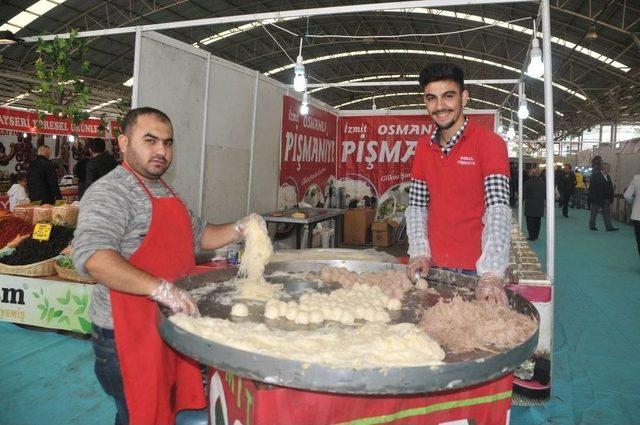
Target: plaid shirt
(446,149)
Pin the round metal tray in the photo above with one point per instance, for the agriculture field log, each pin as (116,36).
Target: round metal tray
(458,370)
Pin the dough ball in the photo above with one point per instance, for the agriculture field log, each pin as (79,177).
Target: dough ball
(346,317)
(240,310)
(292,304)
(369,315)
(282,308)
(336,313)
(273,302)
(382,316)
(303,307)
(316,317)
(394,304)
(302,318)
(292,312)
(271,311)
(358,312)
(422,284)
(327,311)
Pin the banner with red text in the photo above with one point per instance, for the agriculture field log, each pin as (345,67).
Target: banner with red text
(375,155)
(25,121)
(307,155)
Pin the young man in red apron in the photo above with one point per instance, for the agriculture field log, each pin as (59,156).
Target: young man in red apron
(458,215)
(135,236)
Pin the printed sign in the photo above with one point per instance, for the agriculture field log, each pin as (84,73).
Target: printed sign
(45,303)
(308,155)
(25,121)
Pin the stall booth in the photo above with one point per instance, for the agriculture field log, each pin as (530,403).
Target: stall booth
(240,137)
(47,293)
(241,146)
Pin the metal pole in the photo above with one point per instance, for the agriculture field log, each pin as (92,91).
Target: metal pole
(375,83)
(319,11)
(203,148)
(549,133)
(253,140)
(136,69)
(520,162)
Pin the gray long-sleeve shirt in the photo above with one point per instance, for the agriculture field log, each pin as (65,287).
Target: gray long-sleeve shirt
(115,213)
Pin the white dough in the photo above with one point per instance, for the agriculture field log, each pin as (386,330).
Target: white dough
(292,312)
(302,318)
(282,309)
(422,284)
(394,304)
(316,317)
(271,311)
(240,310)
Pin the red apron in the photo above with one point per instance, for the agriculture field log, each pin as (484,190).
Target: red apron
(158,381)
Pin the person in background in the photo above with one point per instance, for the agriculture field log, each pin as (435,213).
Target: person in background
(458,215)
(80,171)
(632,196)
(578,198)
(566,187)
(534,194)
(135,236)
(42,180)
(17,192)
(101,162)
(601,197)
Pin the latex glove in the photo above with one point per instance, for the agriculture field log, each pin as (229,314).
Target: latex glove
(491,288)
(168,294)
(419,265)
(241,225)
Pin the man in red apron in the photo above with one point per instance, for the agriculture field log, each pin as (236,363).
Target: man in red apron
(458,215)
(136,236)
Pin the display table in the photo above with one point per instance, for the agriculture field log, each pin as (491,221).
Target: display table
(46,302)
(69,194)
(305,226)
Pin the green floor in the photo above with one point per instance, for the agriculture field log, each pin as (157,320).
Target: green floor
(46,378)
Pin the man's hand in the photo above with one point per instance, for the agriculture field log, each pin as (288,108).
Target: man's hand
(418,265)
(241,225)
(491,288)
(166,293)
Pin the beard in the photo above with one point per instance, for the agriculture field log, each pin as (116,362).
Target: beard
(147,169)
(446,125)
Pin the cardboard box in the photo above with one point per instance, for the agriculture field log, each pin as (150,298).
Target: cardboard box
(357,226)
(383,233)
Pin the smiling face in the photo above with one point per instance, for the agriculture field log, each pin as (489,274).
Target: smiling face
(148,146)
(444,101)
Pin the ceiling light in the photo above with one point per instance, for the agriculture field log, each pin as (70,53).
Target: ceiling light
(511,132)
(373,105)
(299,77)
(24,135)
(7,38)
(592,34)
(71,138)
(536,67)
(523,109)
(304,108)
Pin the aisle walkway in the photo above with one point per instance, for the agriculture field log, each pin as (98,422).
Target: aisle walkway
(46,378)
(596,362)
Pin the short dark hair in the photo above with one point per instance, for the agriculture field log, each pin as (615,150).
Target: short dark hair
(96,145)
(17,177)
(439,72)
(130,119)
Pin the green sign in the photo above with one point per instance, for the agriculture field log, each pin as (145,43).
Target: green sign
(46,303)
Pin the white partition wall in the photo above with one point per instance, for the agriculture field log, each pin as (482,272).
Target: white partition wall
(221,113)
(172,78)
(266,152)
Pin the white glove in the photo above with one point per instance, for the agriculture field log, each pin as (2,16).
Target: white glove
(491,288)
(168,294)
(419,265)
(240,227)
